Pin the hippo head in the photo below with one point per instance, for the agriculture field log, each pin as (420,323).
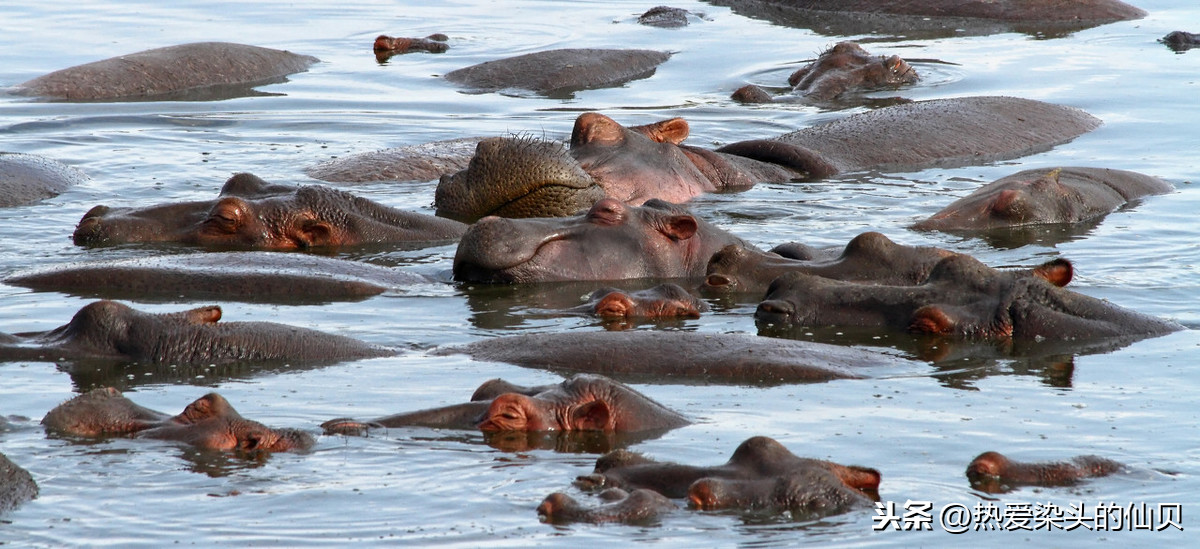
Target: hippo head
(1028,202)
(211,423)
(847,66)
(518,412)
(610,241)
(110,328)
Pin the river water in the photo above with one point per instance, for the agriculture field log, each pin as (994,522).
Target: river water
(920,427)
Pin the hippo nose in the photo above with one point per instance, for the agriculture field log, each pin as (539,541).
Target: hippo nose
(774,310)
(718,281)
(89,230)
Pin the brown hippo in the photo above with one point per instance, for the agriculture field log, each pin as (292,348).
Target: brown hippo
(387,46)
(16,485)
(28,178)
(262,277)
(559,73)
(936,18)
(115,331)
(581,403)
(670,356)
(637,507)
(664,17)
(1180,41)
(841,69)
(994,473)
(611,241)
(961,297)
(250,213)
(209,423)
(516,177)
(660,302)
(761,475)
(1031,197)
(172,72)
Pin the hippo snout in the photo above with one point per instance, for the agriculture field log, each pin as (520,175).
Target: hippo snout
(90,229)
(774,311)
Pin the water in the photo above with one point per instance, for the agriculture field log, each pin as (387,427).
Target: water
(425,487)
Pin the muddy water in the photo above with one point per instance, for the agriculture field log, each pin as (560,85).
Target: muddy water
(920,426)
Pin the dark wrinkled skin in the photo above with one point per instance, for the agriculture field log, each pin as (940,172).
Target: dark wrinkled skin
(611,241)
(761,475)
(1180,41)
(670,356)
(1035,197)
(916,19)
(260,277)
(112,330)
(221,69)
(660,302)
(424,162)
(664,17)
(253,214)
(386,46)
(28,178)
(559,73)
(844,68)
(16,485)
(581,403)
(209,423)
(994,473)
(961,297)
(636,507)
(869,258)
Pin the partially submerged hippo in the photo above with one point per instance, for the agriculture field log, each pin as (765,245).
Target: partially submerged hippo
(936,18)
(639,506)
(994,473)
(581,403)
(251,213)
(424,162)
(518,177)
(114,331)
(671,356)
(1033,197)
(664,17)
(386,46)
(611,241)
(844,68)
(28,178)
(16,485)
(762,475)
(559,73)
(176,72)
(209,423)
(664,301)
(1180,41)
(262,277)
(961,297)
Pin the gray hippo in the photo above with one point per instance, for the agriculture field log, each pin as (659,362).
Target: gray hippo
(994,473)
(640,506)
(220,69)
(250,213)
(559,73)
(209,423)
(112,330)
(16,485)
(841,69)
(28,178)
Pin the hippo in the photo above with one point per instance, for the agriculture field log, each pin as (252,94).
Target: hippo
(16,485)
(251,213)
(387,46)
(114,331)
(916,19)
(1033,197)
(515,177)
(612,241)
(28,178)
(665,301)
(1180,41)
(639,506)
(583,402)
(256,277)
(762,475)
(962,297)
(559,73)
(187,71)
(674,356)
(424,162)
(839,70)
(994,473)
(210,423)
(664,17)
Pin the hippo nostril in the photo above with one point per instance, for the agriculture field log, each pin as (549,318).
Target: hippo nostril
(88,231)
(718,280)
(773,309)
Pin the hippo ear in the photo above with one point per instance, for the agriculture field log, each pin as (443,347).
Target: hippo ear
(931,319)
(592,127)
(593,416)
(614,305)
(860,478)
(314,232)
(680,227)
(1058,272)
(204,315)
(672,131)
(201,409)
